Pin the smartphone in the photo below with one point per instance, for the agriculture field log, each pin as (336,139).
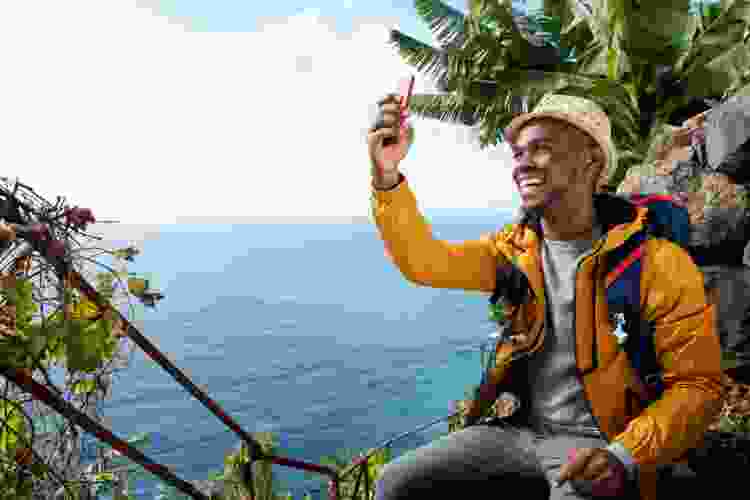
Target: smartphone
(406,87)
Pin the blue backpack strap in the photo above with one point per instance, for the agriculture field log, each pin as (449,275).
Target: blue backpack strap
(623,291)
(666,219)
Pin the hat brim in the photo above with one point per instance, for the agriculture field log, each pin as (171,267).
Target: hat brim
(514,127)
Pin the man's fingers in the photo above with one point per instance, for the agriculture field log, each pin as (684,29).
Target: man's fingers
(574,468)
(391,97)
(384,120)
(596,467)
(604,475)
(392,108)
(377,137)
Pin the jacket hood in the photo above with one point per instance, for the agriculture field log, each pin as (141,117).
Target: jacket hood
(618,217)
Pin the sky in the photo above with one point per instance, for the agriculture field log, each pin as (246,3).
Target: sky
(186,111)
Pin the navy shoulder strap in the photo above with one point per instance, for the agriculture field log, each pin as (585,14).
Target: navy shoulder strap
(667,219)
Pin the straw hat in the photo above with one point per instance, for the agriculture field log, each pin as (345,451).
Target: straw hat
(582,113)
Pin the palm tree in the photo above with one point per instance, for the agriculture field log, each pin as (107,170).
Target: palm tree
(648,64)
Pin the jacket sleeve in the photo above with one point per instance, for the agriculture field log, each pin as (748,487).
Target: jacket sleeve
(424,260)
(690,355)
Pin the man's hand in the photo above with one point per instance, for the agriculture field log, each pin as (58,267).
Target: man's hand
(388,125)
(595,470)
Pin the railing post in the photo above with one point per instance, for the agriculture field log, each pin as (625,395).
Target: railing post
(120,488)
(367,480)
(246,470)
(333,489)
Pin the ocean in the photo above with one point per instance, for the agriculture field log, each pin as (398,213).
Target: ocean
(307,331)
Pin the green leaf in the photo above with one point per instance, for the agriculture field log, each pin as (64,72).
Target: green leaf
(216,476)
(39,469)
(657,32)
(37,342)
(720,73)
(613,63)
(12,352)
(448,108)
(446,23)
(719,36)
(13,428)
(104,476)
(593,60)
(477,7)
(86,386)
(420,55)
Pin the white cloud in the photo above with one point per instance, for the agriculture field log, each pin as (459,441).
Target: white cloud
(140,119)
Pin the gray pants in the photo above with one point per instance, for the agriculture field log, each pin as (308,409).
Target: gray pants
(496,462)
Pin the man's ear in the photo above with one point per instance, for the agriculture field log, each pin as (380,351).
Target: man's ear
(595,160)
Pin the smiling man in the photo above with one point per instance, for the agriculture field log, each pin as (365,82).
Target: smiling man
(588,433)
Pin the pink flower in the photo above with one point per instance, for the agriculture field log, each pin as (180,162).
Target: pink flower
(697,136)
(56,248)
(78,217)
(40,232)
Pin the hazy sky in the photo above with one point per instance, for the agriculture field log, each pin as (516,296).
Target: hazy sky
(154,112)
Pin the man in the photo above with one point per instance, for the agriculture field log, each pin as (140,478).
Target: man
(587,430)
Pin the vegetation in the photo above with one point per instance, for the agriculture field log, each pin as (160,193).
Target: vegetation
(48,325)
(648,64)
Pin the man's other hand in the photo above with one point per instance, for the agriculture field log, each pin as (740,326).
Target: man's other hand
(595,471)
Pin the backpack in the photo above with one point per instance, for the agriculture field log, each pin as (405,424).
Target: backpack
(667,218)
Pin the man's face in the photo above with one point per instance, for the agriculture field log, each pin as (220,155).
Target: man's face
(549,163)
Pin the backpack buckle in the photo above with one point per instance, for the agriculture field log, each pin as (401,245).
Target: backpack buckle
(619,331)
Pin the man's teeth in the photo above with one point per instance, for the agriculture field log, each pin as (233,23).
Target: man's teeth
(531,183)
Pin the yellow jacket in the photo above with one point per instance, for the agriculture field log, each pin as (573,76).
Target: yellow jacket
(672,295)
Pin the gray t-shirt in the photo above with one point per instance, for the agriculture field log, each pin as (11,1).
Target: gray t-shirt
(556,394)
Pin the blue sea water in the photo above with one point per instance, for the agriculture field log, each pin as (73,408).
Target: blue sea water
(307,331)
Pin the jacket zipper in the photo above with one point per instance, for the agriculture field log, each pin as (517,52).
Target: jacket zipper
(579,375)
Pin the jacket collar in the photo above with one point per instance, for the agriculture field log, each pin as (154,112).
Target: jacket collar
(619,218)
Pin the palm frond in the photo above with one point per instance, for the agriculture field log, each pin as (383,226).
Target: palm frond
(529,40)
(576,34)
(657,32)
(593,59)
(447,108)
(423,57)
(719,35)
(716,40)
(720,73)
(446,23)
(525,82)
(493,97)
(480,54)
(741,88)
(492,115)
(596,17)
